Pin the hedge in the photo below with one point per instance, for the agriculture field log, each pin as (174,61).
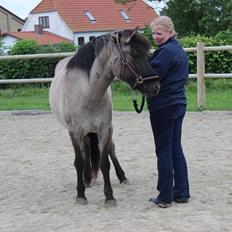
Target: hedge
(32,68)
(216,62)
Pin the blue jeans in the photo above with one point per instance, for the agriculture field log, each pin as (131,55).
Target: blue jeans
(172,168)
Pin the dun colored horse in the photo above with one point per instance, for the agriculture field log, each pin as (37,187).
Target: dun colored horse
(80,97)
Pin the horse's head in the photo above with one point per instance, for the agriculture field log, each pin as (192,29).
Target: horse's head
(131,62)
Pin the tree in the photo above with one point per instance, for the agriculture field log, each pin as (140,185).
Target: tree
(205,17)
(125,1)
(2,52)
(192,17)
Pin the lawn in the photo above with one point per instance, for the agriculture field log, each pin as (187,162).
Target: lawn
(218,97)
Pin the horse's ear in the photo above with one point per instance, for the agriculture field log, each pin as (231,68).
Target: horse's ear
(114,36)
(132,34)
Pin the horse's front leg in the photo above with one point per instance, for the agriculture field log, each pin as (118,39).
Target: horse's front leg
(79,165)
(105,143)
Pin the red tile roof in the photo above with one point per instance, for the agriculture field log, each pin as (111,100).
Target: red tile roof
(46,38)
(106,13)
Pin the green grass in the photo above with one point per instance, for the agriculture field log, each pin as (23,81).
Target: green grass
(218,97)
(24,98)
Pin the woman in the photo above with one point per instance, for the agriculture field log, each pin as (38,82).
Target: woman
(167,111)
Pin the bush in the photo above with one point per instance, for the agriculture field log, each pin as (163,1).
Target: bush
(32,68)
(216,61)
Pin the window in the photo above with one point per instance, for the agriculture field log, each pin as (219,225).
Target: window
(124,15)
(44,21)
(81,41)
(90,16)
(91,38)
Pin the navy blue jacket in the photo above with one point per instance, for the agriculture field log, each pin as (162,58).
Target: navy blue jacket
(170,62)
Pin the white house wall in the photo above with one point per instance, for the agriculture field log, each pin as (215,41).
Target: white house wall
(87,35)
(56,24)
(59,27)
(8,41)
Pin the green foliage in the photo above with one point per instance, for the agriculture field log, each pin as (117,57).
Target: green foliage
(148,33)
(216,62)
(25,47)
(1,47)
(224,37)
(32,68)
(61,47)
(218,96)
(204,17)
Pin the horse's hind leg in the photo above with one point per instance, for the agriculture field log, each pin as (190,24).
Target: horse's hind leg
(79,165)
(87,162)
(105,143)
(95,154)
(118,169)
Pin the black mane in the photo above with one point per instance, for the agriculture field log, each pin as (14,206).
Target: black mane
(86,54)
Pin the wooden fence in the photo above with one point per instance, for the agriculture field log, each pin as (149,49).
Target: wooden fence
(200,49)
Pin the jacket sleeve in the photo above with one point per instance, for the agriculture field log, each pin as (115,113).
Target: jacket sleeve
(162,62)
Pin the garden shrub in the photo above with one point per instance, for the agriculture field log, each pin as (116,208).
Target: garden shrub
(216,61)
(32,68)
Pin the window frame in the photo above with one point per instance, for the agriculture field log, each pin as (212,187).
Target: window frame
(81,41)
(44,21)
(124,15)
(90,17)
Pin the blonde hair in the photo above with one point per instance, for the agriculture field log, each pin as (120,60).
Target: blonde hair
(165,22)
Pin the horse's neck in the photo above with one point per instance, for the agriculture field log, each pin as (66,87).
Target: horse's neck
(101,77)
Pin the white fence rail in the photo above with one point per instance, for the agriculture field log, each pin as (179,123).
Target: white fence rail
(200,49)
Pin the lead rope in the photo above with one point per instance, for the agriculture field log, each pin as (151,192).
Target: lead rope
(134,99)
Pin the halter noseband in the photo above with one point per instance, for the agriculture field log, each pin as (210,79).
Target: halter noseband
(126,63)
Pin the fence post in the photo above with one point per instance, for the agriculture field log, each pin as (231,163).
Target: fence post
(200,76)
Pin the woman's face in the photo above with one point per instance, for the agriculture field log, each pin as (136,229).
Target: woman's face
(160,35)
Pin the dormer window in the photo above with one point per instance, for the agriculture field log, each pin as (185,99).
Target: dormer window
(124,15)
(90,16)
(44,21)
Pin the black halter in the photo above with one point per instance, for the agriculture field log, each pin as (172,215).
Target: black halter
(126,63)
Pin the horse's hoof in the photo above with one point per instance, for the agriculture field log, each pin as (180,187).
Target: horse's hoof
(125,181)
(111,203)
(81,200)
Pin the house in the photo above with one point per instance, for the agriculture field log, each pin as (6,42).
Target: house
(9,22)
(82,20)
(39,35)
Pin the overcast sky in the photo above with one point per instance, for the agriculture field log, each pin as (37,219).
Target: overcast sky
(22,8)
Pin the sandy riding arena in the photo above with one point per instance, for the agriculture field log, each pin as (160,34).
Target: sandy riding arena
(38,179)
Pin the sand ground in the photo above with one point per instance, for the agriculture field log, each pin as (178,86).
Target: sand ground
(38,179)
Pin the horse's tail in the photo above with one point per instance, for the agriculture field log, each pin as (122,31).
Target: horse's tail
(95,154)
